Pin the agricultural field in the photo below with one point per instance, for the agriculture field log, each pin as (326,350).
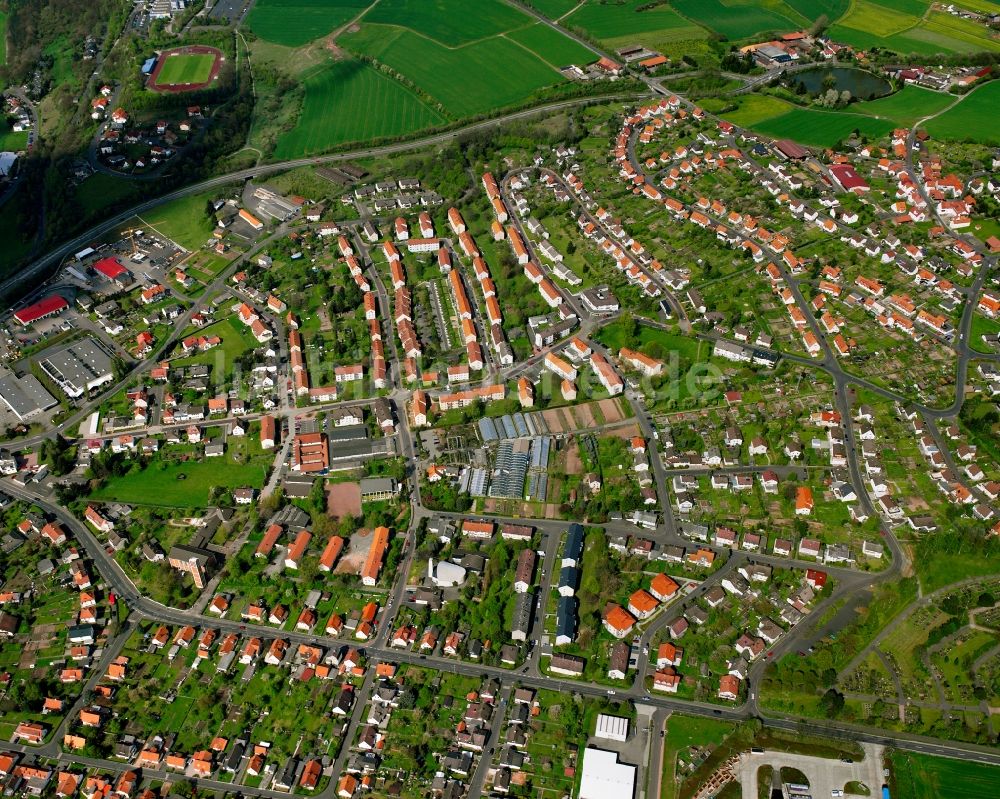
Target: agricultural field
(822,128)
(740,20)
(473,79)
(755,108)
(186,68)
(553,9)
(906,27)
(972,119)
(551,46)
(350,101)
(814,9)
(293,23)
(449,21)
(819,127)
(927,777)
(620,24)
(906,106)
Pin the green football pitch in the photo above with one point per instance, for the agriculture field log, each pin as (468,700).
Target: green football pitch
(186,68)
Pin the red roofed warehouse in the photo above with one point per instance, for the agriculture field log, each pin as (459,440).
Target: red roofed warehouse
(49,306)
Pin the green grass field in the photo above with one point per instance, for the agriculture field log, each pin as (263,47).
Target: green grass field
(351,101)
(186,68)
(814,9)
(295,22)
(551,46)
(452,23)
(181,485)
(906,106)
(736,20)
(755,108)
(907,26)
(553,9)
(184,220)
(101,190)
(869,16)
(3,38)
(822,128)
(816,127)
(973,119)
(614,20)
(927,777)
(915,7)
(477,78)
(9,140)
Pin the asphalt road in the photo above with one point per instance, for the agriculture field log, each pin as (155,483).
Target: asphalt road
(39,269)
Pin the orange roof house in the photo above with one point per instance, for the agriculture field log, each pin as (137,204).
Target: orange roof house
(663,587)
(641,604)
(803,500)
(373,562)
(618,621)
(331,552)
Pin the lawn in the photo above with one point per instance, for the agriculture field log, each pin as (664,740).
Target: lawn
(186,68)
(10,140)
(236,339)
(295,22)
(615,336)
(973,119)
(184,221)
(449,22)
(350,101)
(473,79)
(3,38)
(182,484)
(906,106)
(740,20)
(926,777)
(551,46)
(981,326)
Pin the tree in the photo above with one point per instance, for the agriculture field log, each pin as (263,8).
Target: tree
(832,703)
(820,25)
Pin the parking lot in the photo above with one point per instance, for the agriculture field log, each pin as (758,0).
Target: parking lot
(825,775)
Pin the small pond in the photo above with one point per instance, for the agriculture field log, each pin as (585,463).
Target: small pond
(862,85)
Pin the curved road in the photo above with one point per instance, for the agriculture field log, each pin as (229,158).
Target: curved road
(38,269)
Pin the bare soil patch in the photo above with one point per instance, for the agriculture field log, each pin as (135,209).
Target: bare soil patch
(343,499)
